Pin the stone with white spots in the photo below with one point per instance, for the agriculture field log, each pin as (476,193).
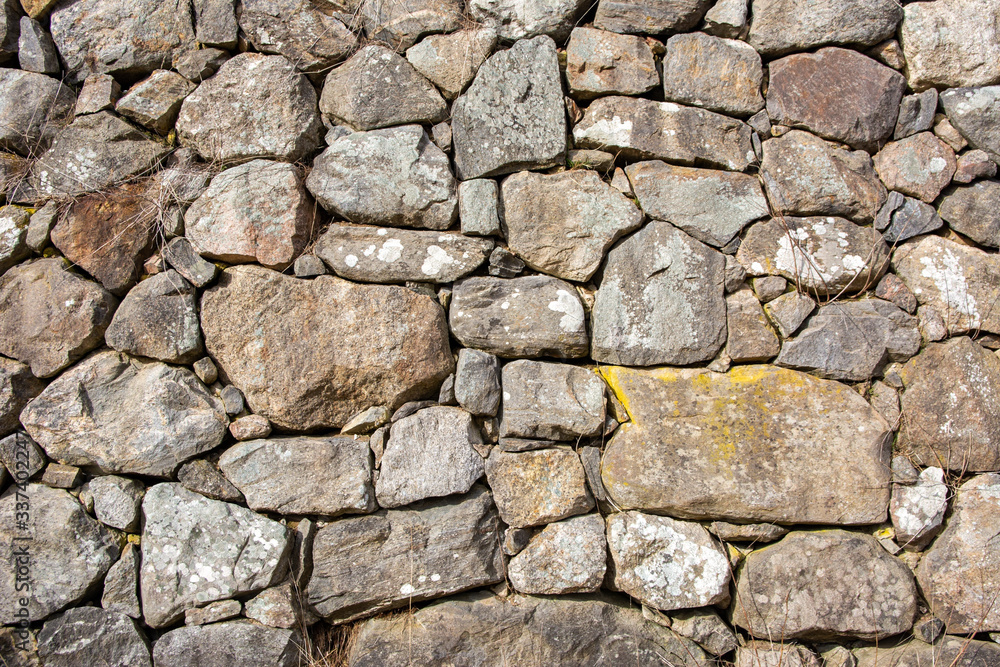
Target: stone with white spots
(451,61)
(551,401)
(958,651)
(920,166)
(381,255)
(538,487)
(232,643)
(568,556)
(117,500)
(299,30)
(515,19)
(401,23)
(666,563)
(89,636)
(951,43)
(975,113)
(755,653)
(917,510)
(196,550)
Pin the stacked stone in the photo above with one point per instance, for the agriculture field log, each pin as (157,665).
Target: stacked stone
(663,332)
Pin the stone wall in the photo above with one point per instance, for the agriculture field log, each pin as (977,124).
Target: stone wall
(633,332)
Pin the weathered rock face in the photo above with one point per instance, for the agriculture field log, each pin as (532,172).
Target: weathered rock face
(551,401)
(920,166)
(917,511)
(255,212)
(395,177)
(520,317)
(121,585)
(234,642)
(974,112)
(271,112)
(91,636)
(718,74)
(526,631)
(38,328)
(665,563)
(451,61)
(300,350)
(806,175)
(123,415)
(749,335)
(365,565)
(821,255)
(910,219)
(328,476)
(780,26)
(600,63)
(836,93)
(712,206)
(565,557)
(116,501)
(380,255)
(309,37)
(939,47)
(650,16)
(14,225)
(159,319)
(219,550)
(804,430)
(538,487)
(958,651)
(974,211)
(512,117)
(17,387)
(154,102)
(660,301)
(643,129)
(120,37)
(30,105)
(784,591)
(951,406)
(69,551)
(519,20)
(401,24)
(959,282)
(563,224)
(477,382)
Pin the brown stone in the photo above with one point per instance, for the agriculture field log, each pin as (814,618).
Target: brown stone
(722,75)
(750,337)
(538,487)
(920,166)
(600,63)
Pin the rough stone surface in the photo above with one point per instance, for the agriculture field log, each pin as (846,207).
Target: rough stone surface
(782,592)
(37,328)
(752,532)
(231,643)
(789,311)
(565,557)
(154,102)
(665,563)
(215,23)
(401,24)
(601,63)
(776,654)
(310,364)
(912,218)
(562,224)
(920,166)
(377,88)
(478,207)
(916,114)
(718,74)
(202,477)
(974,211)
(969,166)
(650,16)
(451,61)
(660,300)
(974,112)
(117,501)
(121,585)
(91,636)
(551,401)
(512,116)
(181,255)
(917,511)
(271,112)
(538,487)
(124,415)
(328,476)
(804,430)
(276,607)
(21,456)
(836,93)
(429,454)
(477,382)
(300,30)
(520,20)
(368,564)
(14,223)
(393,177)
(380,255)
(521,317)
(644,129)
(951,43)
(957,651)
(32,105)
(222,610)
(712,206)
(69,551)
(99,92)
(705,627)
(781,26)
(159,319)
(749,336)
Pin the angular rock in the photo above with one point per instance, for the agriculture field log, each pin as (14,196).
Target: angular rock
(123,415)
(817,453)
(213,612)
(806,175)
(428,455)
(117,501)
(59,476)
(91,636)
(401,24)
(754,532)
(477,382)
(250,427)
(69,552)
(231,643)
(10,14)
(505,264)
(974,211)
(365,565)
(638,128)
(99,92)
(970,166)
(783,591)
(836,93)
(377,88)
(776,654)
(974,112)
(308,266)
(159,319)
(562,224)
(121,585)
(14,172)
(602,63)
(916,114)
(891,288)
(521,317)
(14,222)
(199,65)
(551,401)
(394,177)
(202,477)
(769,288)
(789,311)
(33,106)
(451,61)
(380,255)
(781,26)
(718,74)
(944,131)
(712,206)
(40,226)
(951,43)
(512,117)
(957,651)
(367,421)
(820,255)
(852,340)
(219,550)
(650,16)
(329,476)
(921,166)
(311,363)
(749,336)
(518,20)
(706,628)
(952,412)
(154,102)
(665,563)
(21,456)
(215,23)
(660,301)
(181,255)
(565,557)
(50,316)
(538,487)
(94,153)
(276,607)
(478,207)
(244,86)
(958,574)
(917,511)
(299,30)
(911,219)
(960,282)
(525,631)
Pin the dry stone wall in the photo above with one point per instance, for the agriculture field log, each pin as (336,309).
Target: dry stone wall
(430,332)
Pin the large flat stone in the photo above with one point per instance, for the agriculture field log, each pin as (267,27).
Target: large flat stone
(759,444)
(781,26)
(515,20)
(599,62)
(951,43)
(451,61)
(551,401)
(722,75)
(568,556)
(232,643)
(538,487)
(649,16)
(400,24)
(920,165)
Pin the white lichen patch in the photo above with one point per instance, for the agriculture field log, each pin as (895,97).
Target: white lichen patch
(437,258)
(573,317)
